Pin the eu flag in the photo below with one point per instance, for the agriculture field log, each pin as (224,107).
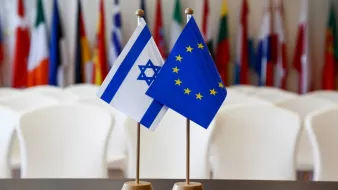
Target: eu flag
(189,82)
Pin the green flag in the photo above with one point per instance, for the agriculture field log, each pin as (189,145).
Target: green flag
(177,24)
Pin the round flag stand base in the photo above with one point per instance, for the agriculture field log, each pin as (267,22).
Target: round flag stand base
(132,185)
(190,186)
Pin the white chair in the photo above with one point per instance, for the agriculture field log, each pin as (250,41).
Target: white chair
(323,133)
(8,92)
(43,88)
(53,92)
(235,98)
(246,89)
(25,102)
(61,96)
(8,122)
(64,141)
(274,95)
(324,94)
(163,151)
(117,148)
(303,106)
(255,143)
(83,90)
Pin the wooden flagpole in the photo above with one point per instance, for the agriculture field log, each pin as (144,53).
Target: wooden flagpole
(140,14)
(138,153)
(137,184)
(189,13)
(187,179)
(188,185)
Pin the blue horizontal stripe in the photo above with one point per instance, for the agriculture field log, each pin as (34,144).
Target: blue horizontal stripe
(151,114)
(126,65)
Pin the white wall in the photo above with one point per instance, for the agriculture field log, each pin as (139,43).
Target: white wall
(318,17)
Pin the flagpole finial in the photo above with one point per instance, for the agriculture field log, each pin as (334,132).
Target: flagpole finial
(189,11)
(139,12)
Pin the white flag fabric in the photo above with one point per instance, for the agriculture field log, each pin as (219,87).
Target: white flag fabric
(281,65)
(177,24)
(130,77)
(301,58)
(116,35)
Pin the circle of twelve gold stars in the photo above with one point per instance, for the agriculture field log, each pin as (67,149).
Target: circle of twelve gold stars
(178,82)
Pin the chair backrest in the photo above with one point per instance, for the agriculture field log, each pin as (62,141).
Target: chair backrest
(8,121)
(8,92)
(64,141)
(163,151)
(22,103)
(324,94)
(274,95)
(117,142)
(255,143)
(246,89)
(27,101)
(304,105)
(236,98)
(61,96)
(323,134)
(43,88)
(83,90)
(53,92)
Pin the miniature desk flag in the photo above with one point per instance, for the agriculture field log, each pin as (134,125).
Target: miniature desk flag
(189,82)
(130,77)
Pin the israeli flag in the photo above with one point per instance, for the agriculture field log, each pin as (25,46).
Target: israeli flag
(130,77)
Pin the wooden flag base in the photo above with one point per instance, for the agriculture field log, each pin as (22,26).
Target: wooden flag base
(190,186)
(142,185)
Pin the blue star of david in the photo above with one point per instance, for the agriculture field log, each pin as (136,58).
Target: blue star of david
(144,68)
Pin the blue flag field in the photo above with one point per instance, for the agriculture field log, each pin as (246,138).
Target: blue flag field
(189,82)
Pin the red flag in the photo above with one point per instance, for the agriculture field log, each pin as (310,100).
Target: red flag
(301,61)
(205,19)
(159,31)
(242,54)
(223,47)
(271,63)
(100,57)
(1,45)
(331,53)
(1,56)
(21,52)
(280,48)
(206,27)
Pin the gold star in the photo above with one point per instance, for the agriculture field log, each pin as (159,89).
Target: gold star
(200,46)
(199,96)
(179,58)
(189,49)
(176,69)
(213,92)
(178,82)
(187,91)
(220,85)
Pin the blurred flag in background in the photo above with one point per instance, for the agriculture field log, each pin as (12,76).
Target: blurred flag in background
(83,66)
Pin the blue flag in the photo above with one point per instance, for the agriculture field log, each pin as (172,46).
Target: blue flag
(189,82)
(55,58)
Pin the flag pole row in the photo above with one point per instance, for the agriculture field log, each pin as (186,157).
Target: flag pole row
(40,58)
